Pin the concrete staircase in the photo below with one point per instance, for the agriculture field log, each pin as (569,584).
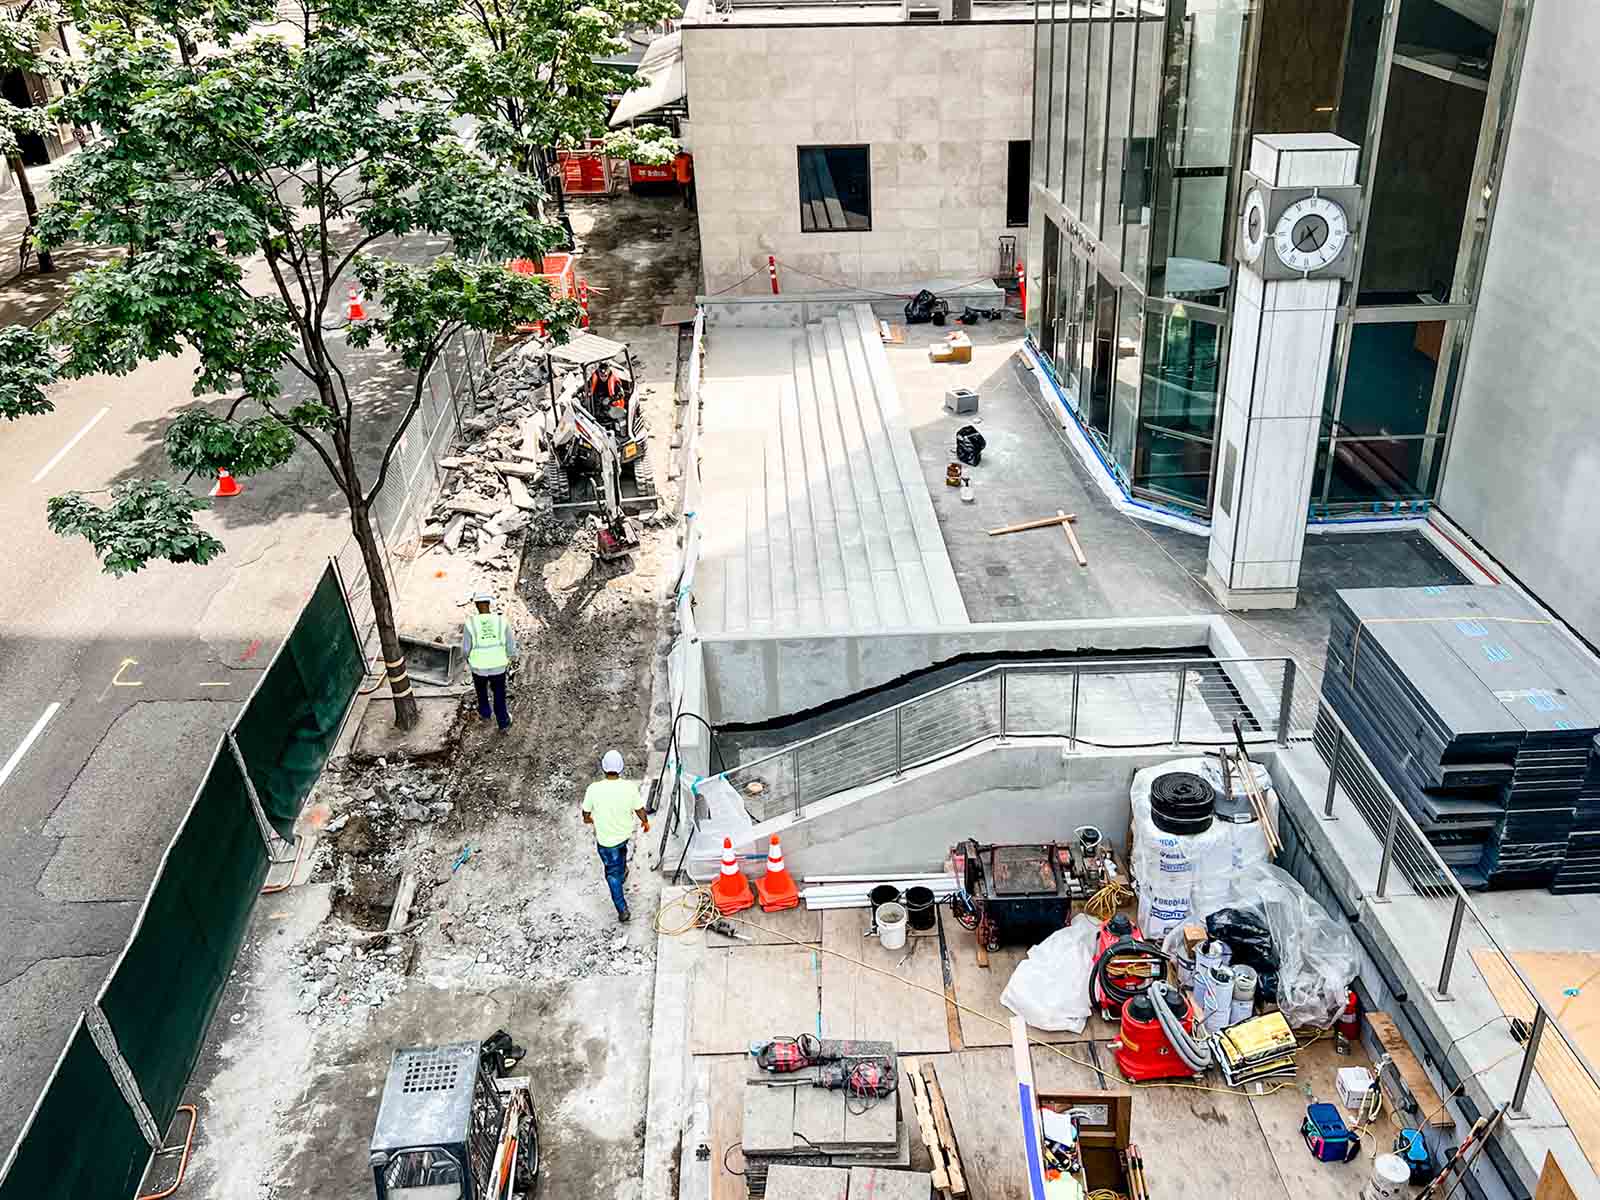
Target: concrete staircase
(820,520)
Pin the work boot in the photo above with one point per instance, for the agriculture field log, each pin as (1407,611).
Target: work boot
(624,917)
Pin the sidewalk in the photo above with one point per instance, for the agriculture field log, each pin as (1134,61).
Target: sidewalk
(28,297)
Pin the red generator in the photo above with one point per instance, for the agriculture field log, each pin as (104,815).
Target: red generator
(1143,1050)
(1124,966)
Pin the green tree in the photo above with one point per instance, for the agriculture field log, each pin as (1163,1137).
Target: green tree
(526,71)
(251,183)
(30,41)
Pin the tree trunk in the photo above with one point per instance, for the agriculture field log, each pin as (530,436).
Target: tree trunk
(394,659)
(30,205)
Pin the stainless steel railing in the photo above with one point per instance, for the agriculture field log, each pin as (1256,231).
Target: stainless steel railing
(1404,844)
(1115,703)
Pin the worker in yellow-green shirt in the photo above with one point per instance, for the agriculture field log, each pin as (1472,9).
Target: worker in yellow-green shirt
(611,805)
(490,647)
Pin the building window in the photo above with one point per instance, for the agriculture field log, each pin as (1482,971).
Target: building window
(835,189)
(1018,157)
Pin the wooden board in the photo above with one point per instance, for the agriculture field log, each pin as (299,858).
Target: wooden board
(1411,1074)
(1280,1115)
(1198,1143)
(725,1083)
(1574,1092)
(859,1003)
(1553,1183)
(749,995)
(979,988)
(772,929)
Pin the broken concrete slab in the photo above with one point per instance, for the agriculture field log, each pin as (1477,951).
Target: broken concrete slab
(429,738)
(526,470)
(453,531)
(509,520)
(489,547)
(520,495)
(472,504)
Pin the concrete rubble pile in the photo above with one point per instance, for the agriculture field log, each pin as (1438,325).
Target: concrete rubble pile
(540,944)
(494,495)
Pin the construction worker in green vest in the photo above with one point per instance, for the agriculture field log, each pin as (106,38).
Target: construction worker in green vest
(489,644)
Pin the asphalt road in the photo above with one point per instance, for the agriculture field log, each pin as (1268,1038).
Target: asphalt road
(113,693)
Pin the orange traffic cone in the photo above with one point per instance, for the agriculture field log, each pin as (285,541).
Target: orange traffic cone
(777,888)
(226,485)
(353,310)
(731,891)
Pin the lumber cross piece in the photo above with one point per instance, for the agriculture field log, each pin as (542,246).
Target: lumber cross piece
(1060,518)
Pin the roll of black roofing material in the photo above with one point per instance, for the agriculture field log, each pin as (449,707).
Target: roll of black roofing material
(1182,802)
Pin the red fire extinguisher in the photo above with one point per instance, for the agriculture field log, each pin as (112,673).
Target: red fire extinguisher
(1348,1027)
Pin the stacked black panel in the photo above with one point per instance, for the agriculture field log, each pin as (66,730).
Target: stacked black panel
(1482,716)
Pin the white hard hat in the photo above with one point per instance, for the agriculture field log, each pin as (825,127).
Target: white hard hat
(612,764)
(483,597)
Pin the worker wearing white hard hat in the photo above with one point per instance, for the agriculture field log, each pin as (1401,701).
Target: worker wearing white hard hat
(611,805)
(490,645)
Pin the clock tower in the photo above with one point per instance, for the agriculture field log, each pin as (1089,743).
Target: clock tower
(1295,242)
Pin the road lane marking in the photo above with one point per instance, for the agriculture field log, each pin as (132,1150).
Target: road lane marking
(76,438)
(16,755)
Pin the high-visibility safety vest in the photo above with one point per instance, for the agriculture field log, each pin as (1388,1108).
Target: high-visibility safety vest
(488,642)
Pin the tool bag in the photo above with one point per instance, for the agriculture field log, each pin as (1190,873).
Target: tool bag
(1327,1136)
(925,307)
(969,445)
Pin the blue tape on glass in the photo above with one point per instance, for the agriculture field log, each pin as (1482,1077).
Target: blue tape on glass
(1544,701)
(1471,628)
(1565,724)
(1495,652)
(1433,589)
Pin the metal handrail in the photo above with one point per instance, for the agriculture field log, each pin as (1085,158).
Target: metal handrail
(1398,818)
(1070,666)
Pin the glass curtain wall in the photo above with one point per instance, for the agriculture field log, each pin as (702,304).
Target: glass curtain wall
(1431,120)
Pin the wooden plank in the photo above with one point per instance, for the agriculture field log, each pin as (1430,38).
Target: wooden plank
(1409,1069)
(921,1106)
(1280,1115)
(1072,538)
(947,1136)
(723,985)
(1027,1108)
(1199,1143)
(871,1004)
(725,1081)
(1060,518)
(1553,1183)
(1570,1086)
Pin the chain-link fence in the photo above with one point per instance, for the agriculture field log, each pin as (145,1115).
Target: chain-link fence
(119,1082)
(450,394)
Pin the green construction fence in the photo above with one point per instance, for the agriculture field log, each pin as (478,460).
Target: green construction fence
(83,1139)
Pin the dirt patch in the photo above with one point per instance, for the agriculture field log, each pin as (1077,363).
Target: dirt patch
(639,254)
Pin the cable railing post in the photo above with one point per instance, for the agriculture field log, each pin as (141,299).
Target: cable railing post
(1450,944)
(1528,1056)
(1388,850)
(1286,702)
(899,743)
(1072,717)
(1333,775)
(794,767)
(1003,674)
(1177,712)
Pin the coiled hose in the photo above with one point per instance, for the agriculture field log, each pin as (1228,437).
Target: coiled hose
(1103,983)
(1196,1054)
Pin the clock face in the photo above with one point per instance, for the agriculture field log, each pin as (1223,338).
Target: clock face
(1253,226)
(1311,234)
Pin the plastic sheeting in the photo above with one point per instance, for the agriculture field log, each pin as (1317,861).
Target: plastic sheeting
(1050,988)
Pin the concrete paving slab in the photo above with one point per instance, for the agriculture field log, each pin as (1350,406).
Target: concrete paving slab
(788,1182)
(878,1183)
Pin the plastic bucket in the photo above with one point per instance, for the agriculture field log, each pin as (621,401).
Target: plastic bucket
(892,925)
(884,893)
(919,907)
(1391,1178)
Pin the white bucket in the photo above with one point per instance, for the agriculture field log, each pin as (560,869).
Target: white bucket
(892,926)
(1391,1178)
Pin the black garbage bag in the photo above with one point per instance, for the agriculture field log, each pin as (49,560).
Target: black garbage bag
(1250,941)
(969,445)
(971,316)
(920,308)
